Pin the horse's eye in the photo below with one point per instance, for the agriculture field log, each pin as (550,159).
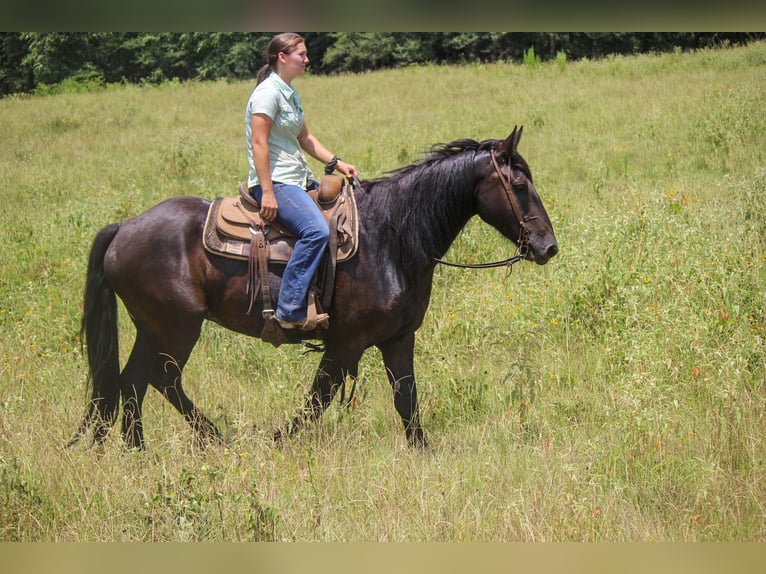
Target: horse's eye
(519,183)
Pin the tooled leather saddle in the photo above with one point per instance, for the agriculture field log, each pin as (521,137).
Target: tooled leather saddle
(235,229)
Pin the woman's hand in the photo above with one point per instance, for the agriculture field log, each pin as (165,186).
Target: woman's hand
(268,205)
(346,169)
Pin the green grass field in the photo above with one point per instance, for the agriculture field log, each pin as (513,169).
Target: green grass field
(616,394)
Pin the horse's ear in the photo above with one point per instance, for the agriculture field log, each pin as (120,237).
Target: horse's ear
(508,147)
(516,135)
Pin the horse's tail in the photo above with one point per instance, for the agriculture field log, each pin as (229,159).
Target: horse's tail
(98,330)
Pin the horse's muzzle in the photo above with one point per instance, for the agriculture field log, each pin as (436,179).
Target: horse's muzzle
(542,256)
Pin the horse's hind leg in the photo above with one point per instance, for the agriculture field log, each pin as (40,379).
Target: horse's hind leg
(134,381)
(160,365)
(169,384)
(166,378)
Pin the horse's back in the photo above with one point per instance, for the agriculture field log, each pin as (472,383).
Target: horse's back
(172,212)
(172,220)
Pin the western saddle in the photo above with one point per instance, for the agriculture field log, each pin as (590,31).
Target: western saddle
(235,229)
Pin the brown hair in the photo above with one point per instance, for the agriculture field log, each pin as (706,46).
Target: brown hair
(284,42)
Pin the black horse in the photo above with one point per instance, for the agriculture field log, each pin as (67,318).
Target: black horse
(170,284)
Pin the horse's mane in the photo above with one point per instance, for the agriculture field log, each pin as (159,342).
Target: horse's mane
(441,151)
(425,203)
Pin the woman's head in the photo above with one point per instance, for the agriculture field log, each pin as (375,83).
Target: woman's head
(286,43)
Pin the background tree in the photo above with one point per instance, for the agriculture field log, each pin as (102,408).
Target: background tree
(31,60)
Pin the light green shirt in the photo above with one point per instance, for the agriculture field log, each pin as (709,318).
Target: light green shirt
(280,102)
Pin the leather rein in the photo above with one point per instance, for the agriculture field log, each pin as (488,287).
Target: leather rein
(523,243)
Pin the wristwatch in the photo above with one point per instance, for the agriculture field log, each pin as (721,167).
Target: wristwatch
(329,167)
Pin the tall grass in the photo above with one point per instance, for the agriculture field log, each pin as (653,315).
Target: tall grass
(615,394)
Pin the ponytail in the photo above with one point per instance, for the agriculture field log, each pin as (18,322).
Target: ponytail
(263,73)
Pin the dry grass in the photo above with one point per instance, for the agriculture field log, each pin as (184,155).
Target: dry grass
(616,394)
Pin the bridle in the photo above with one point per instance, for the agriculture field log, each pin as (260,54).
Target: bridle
(523,243)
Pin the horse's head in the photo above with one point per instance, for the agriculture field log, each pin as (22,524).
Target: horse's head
(508,201)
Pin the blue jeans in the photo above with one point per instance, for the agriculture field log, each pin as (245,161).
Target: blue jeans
(298,212)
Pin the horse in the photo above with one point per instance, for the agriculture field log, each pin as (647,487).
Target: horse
(169,284)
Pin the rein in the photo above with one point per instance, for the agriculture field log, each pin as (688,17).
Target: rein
(523,243)
(505,262)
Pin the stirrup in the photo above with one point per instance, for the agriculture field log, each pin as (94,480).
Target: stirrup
(310,324)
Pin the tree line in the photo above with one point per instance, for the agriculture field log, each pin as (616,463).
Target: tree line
(30,61)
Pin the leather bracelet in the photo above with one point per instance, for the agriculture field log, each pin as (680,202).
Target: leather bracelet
(329,167)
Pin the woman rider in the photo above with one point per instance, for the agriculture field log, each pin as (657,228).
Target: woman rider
(280,176)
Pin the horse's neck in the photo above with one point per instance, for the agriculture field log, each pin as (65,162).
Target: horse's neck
(446,207)
(423,219)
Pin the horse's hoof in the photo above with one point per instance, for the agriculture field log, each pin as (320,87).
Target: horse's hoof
(417,440)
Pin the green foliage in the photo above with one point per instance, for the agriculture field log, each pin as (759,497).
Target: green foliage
(15,74)
(29,61)
(615,394)
(361,51)
(531,60)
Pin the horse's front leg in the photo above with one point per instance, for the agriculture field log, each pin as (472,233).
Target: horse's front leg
(398,360)
(332,372)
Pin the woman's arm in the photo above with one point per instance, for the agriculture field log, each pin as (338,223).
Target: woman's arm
(311,145)
(261,128)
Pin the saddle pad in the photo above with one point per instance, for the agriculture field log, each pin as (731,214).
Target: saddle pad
(218,243)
